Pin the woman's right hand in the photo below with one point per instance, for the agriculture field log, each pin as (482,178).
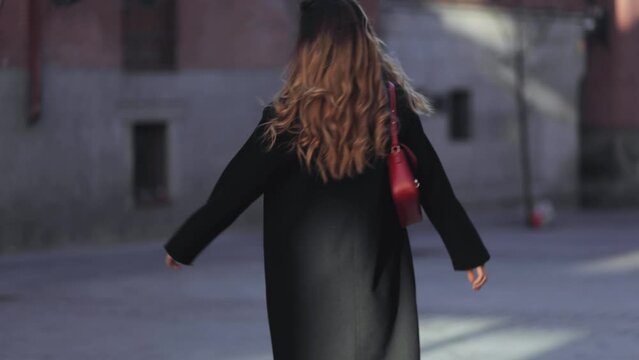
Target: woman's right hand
(477,281)
(171,263)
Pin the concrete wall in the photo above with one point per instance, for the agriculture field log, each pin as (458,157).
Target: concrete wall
(68,179)
(444,46)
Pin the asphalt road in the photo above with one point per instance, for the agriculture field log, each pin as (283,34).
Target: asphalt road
(569,291)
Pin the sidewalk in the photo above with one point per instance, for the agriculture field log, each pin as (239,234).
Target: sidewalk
(565,292)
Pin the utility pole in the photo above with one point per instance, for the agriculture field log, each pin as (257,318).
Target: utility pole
(522,113)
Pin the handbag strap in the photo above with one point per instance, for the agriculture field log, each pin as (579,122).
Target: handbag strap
(393,105)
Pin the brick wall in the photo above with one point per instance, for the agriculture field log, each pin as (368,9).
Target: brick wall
(563,5)
(211,34)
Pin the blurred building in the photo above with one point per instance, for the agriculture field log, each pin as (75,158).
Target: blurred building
(610,123)
(581,69)
(142,103)
(118,116)
(463,55)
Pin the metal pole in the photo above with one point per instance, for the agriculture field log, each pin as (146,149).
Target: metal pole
(522,115)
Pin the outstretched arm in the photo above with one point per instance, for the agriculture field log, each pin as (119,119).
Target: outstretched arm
(239,185)
(438,199)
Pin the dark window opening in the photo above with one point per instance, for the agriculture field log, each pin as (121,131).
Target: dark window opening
(150,163)
(459,113)
(148,34)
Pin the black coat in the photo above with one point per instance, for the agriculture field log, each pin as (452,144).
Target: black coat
(339,272)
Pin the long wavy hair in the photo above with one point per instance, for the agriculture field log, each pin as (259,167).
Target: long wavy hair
(333,101)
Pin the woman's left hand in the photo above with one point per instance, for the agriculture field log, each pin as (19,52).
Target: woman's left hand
(171,263)
(477,281)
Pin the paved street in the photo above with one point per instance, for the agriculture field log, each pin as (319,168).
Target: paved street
(568,291)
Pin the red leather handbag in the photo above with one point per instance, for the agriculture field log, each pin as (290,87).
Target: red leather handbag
(404,185)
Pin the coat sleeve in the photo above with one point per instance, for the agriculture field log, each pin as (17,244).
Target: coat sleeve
(437,197)
(240,184)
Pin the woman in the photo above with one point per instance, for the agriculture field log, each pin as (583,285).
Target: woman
(339,273)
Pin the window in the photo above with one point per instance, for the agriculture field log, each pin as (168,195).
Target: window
(148,34)
(459,114)
(150,165)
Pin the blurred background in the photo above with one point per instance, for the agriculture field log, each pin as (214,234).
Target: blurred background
(119,116)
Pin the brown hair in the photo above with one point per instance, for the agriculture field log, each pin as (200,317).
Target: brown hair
(334,86)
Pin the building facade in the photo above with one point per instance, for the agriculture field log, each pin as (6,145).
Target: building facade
(141,104)
(463,55)
(118,116)
(610,124)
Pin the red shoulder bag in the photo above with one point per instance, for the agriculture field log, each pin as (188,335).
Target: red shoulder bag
(404,185)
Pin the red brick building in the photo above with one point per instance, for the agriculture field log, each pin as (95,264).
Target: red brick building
(547,5)
(610,132)
(208,34)
(118,116)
